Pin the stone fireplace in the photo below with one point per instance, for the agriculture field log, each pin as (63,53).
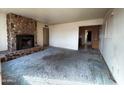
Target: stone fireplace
(21,32)
(22,37)
(24,41)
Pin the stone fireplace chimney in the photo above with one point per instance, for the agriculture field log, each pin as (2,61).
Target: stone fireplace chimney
(19,25)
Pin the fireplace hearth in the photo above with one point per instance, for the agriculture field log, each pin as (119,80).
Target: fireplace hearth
(24,41)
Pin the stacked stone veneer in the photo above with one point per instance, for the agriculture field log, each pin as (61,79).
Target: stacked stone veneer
(13,55)
(16,54)
(19,25)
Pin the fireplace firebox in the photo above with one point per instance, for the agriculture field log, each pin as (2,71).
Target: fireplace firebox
(24,41)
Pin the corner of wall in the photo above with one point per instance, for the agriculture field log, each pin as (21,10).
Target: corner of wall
(3,32)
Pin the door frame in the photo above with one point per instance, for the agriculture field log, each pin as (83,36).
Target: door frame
(93,28)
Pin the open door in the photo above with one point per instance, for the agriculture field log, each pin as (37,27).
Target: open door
(95,38)
(45,37)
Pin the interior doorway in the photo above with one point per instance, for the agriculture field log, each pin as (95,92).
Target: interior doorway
(89,39)
(45,37)
(89,36)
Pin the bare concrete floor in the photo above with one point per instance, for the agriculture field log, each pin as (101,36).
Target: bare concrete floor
(57,66)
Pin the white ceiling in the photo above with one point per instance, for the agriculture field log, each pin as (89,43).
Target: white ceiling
(58,15)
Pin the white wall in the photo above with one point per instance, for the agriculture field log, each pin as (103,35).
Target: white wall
(3,33)
(112,43)
(40,33)
(66,35)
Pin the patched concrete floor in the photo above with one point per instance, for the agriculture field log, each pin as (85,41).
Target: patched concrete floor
(58,66)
